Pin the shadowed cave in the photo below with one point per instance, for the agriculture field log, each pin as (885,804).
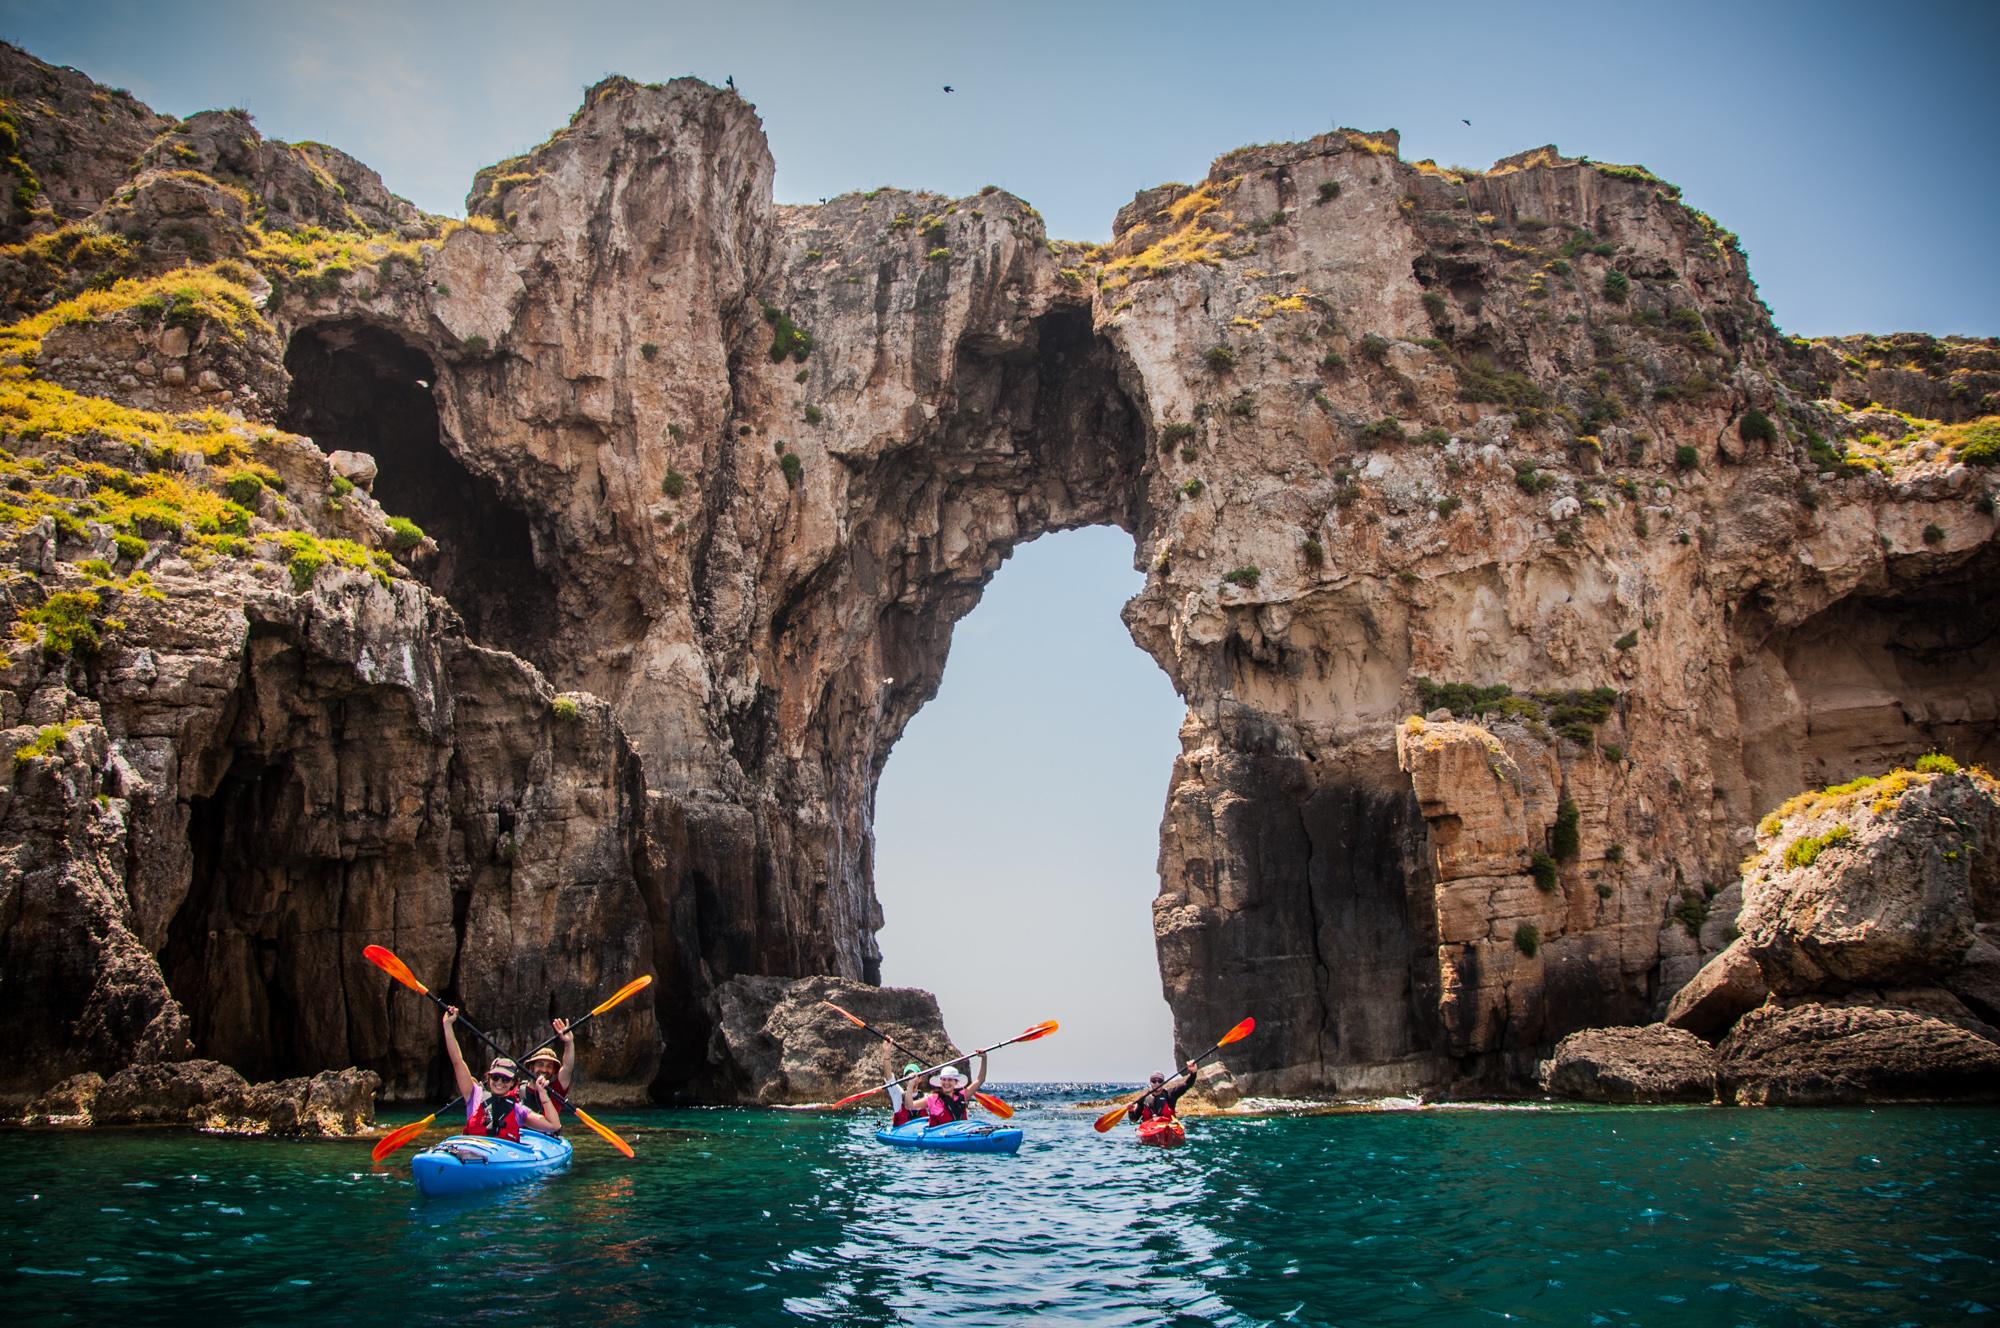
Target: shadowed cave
(1874,680)
(361,388)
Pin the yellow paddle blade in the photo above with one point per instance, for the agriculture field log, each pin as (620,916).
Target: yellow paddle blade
(1238,1033)
(399,1136)
(631,988)
(603,1131)
(394,967)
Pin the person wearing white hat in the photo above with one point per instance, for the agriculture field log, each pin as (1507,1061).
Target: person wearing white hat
(492,1106)
(953,1095)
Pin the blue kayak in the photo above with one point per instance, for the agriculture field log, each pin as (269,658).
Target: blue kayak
(467,1163)
(956,1137)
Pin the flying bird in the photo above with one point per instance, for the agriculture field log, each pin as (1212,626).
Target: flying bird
(1465,122)
(948,88)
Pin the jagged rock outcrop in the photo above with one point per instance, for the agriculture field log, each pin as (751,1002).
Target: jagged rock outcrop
(331,1104)
(1517,445)
(208,1094)
(1656,1063)
(777,1042)
(1824,1053)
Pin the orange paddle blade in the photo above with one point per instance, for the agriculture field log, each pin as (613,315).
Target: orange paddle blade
(632,988)
(1113,1116)
(603,1131)
(394,967)
(1040,1030)
(399,1136)
(856,1097)
(994,1105)
(848,1015)
(1238,1033)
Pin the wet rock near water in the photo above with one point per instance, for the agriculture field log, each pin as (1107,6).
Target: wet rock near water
(776,1042)
(334,1103)
(1656,1063)
(1820,1054)
(212,1096)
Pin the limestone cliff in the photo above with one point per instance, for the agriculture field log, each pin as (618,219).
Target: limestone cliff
(1520,445)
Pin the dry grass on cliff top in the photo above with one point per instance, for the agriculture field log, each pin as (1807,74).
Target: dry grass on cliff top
(1807,824)
(1181,233)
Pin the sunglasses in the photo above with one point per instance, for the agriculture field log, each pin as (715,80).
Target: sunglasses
(499,1078)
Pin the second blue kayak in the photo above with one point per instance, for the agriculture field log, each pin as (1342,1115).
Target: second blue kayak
(956,1137)
(467,1163)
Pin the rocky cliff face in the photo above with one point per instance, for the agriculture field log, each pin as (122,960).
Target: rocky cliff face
(1518,446)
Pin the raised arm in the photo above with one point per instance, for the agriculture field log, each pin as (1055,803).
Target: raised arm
(1192,1072)
(979,1078)
(566,1081)
(466,1083)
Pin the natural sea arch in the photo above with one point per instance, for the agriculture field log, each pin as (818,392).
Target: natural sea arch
(1017,823)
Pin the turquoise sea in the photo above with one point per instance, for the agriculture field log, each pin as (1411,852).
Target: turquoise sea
(1552,1215)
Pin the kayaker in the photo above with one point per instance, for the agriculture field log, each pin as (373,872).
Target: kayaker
(491,1108)
(1159,1102)
(953,1096)
(545,1068)
(909,1099)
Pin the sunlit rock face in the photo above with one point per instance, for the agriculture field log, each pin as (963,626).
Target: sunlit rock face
(737,468)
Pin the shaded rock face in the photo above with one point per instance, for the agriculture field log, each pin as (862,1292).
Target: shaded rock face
(1651,1064)
(777,1042)
(738,468)
(1824,1053)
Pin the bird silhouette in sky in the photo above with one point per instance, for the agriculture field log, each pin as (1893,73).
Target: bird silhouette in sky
(1465,122)
(948,88)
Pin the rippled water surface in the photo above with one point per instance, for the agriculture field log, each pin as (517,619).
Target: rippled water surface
(1559,1216)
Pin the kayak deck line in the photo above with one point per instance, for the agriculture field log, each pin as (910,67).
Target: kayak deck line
(953,1137)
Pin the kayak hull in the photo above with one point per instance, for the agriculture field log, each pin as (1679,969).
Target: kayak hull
(956,1137)
(1162,1133)
(467,1164)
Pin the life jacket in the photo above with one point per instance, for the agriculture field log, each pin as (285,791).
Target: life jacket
(945,1107)
(487,1115)
(1156,1106)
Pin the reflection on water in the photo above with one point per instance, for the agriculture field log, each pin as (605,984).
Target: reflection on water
(739,1217)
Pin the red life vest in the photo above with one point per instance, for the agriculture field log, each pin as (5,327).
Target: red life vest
(945,1107)
(478,1115)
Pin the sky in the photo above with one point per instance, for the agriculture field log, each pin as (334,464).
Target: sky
(1852,146)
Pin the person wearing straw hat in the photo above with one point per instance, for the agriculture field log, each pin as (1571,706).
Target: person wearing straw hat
(491,1107)
(547,1070)
(953,1096)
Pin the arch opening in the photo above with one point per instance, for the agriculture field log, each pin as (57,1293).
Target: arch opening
(362,388)
(1033,782)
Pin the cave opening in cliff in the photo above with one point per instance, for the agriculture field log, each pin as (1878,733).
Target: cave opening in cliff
(1874,680)
(362,388)
(1018,819)
(243,950)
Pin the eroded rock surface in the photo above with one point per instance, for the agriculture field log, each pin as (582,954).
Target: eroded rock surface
(1657,1063)
(1821,1053)
(776,1041)
(1519,448)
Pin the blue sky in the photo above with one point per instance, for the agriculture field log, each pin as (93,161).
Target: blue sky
(1852,146)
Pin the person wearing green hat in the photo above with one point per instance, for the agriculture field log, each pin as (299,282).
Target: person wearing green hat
(910,1099)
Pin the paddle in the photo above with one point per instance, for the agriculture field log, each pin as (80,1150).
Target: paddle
(1117,1113)
(1040,1030)
(383,959)
(986,1100)
(604,1132)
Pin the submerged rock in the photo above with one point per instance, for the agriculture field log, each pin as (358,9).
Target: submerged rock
(777,1042)
(1656,1063)
(1825,1053)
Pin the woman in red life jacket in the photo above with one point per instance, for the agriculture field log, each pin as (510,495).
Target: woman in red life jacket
(1160,1101)
(491,1108)
(953,1095)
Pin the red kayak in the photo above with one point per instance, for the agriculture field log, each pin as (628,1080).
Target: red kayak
(1166,1132)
